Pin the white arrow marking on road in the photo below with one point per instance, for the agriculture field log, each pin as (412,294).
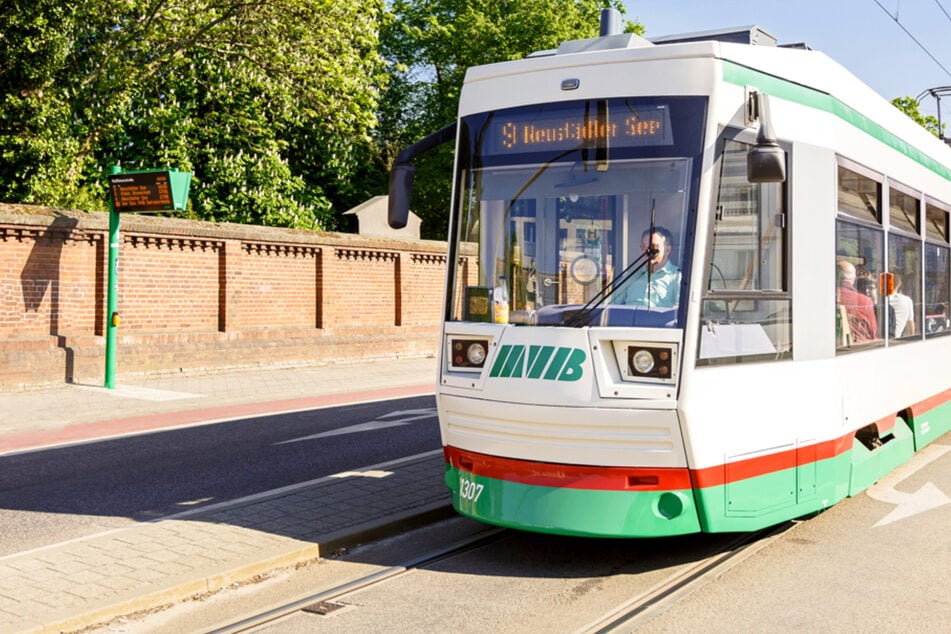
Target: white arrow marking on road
(375,473)
(926,498)
(429,411)
(373,425)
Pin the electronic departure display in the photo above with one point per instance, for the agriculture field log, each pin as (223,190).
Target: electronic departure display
(517,132)
(141,191)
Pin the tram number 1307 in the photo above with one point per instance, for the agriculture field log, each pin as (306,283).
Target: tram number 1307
(469,490)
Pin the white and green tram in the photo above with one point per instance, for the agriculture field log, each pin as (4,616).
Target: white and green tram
(693,285)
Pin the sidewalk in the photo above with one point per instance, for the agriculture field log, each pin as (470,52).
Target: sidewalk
(73,412)
(71,585)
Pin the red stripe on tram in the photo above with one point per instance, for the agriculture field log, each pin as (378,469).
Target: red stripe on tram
(665,479)
(568,476)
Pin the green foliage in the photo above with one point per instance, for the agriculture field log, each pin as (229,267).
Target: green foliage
(909,105)
(286,113)
(270,105)
(431,43)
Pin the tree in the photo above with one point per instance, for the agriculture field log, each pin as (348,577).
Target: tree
(270,105)
(909,105)
(36,39)
(431,43)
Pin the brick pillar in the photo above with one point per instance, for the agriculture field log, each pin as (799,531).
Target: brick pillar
(326,274)
(229,270)
(319,255)
(399,286)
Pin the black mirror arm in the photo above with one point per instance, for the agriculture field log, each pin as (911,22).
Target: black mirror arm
(766,161)
(403,172)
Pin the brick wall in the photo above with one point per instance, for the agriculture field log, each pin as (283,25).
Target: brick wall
(196,297)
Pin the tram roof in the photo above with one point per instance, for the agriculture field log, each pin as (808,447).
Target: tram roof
(794,65)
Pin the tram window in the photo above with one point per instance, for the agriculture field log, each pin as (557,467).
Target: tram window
(860,310)
(903,307)
(860,317)
(859,195)
(749,231)
(937,286)
(937,291)
(936,223)
(904,304)
(746,310)
(903,210)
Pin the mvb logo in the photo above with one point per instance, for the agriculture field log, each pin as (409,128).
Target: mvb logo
(548,363)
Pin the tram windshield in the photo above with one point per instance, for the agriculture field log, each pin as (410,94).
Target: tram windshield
(577,213)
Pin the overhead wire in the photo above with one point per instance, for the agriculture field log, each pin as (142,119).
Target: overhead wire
(943,10)
(909,34)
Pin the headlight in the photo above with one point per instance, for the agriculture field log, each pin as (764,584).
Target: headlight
(650,362)
(642,362)
(475,353)
(467,354)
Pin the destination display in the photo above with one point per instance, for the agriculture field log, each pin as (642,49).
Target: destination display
(531,131)
(142,191)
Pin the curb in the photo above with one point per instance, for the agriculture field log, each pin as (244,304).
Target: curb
(269,562)
(177,593)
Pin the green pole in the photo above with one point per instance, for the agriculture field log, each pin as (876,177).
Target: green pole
(112,297)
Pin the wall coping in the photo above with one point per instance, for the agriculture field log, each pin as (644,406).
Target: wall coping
(37,216)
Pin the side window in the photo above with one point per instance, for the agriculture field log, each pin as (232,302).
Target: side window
(937,286)
(904,263)
(746,304)
(859,238)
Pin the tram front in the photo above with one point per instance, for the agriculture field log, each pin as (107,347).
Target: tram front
(570,253)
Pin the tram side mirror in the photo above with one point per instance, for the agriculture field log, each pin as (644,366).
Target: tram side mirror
(403,172)
(400,194)
(766,161)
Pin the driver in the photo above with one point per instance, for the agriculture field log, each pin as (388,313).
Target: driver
(664,289)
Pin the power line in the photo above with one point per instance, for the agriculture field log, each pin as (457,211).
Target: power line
(908,33)
(943,9)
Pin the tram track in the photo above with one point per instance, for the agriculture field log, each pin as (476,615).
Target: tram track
(644,607)
(326,601)
(625,617)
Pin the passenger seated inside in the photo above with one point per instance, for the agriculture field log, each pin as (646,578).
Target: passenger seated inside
(858,307)
(664,288)
(902,311)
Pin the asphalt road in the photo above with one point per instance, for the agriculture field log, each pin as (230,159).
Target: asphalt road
(63,493)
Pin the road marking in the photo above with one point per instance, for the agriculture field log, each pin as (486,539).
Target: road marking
(373,425)
(927,498)
(428,411)
(375,473)
(195,502)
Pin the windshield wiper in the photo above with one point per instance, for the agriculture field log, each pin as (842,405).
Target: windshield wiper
(581,317)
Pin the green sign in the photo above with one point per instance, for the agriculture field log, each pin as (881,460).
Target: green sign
(151,190)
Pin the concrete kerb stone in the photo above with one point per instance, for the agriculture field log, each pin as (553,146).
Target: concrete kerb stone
(186,586)
(415,518)
(176,590)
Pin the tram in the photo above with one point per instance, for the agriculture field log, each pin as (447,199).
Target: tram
(694,285)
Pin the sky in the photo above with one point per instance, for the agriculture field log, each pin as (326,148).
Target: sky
(858,34)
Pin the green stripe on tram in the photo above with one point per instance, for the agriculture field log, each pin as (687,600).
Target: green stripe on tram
(931,425)
(744,76)
(567,511)
(754,503)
